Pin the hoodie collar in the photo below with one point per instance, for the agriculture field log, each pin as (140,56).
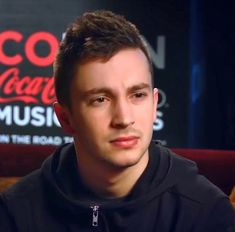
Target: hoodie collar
(66,191)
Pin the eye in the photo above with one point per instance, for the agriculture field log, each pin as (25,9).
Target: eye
(98,100)
(139,95)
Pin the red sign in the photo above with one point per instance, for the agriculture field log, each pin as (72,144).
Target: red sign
(29,48)
(14,88)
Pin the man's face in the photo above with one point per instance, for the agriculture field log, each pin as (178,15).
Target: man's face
(113,106)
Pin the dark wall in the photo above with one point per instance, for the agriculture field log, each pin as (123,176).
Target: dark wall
(212,107)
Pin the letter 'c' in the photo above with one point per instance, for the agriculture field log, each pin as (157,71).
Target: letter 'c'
(10,35)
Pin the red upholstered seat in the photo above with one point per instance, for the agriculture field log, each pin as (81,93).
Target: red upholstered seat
(216,165)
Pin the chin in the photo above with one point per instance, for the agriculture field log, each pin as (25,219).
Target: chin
(127,160)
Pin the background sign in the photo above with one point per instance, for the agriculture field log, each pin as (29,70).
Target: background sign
(30,32)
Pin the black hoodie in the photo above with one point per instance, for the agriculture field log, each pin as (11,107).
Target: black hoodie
(170,196)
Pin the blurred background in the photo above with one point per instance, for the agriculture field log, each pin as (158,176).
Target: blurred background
(192,44)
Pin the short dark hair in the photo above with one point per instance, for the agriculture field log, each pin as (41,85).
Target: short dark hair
(94,35)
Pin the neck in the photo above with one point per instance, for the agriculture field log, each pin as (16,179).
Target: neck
(107,181)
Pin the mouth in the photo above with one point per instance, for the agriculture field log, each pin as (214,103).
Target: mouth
(125,141)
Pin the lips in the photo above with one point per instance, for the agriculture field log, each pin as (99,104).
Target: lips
(125,141)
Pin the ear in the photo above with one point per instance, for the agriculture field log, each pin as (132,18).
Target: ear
(62,114)
(155,101)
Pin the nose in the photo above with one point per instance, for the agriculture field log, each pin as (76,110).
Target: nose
(122,114)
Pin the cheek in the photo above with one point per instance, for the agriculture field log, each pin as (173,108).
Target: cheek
(79,122)
(96,117)
(147,113)
(87,125)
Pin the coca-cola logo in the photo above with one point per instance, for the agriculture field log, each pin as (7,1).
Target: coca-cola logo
(16,87)
(26,89)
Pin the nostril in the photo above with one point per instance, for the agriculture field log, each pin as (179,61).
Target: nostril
(122,124)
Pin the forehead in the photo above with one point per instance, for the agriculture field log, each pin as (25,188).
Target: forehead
(127,67)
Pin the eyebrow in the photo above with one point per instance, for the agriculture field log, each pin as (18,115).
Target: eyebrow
(110,91)
(139,87)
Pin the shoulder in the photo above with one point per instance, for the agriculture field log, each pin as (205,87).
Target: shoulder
(14,201)
(6,221)
(186,179)
(196,193)
(24,187)
(19,198)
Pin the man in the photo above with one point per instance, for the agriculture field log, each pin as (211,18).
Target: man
(112,178)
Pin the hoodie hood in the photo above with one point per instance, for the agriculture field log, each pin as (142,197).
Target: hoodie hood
(65,189)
